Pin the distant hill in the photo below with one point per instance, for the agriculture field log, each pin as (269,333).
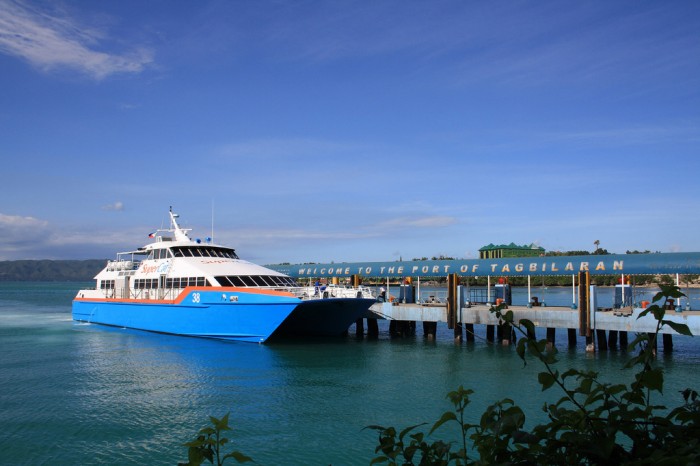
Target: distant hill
(50,270)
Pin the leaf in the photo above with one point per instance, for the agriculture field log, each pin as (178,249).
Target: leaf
(680,328)
(408,429)
(379,459)
(529,326)
(207,431)
(659,312)
(448,416)
(520,349)
(546,379)
(238,456)
(195,456)
(653,379)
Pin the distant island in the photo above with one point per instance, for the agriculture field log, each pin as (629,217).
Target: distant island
(50,270)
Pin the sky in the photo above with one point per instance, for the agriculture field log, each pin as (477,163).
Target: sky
(316,131)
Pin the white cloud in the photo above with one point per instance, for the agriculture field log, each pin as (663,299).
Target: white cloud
(18,223)
(20,234)
(49,42)
(118,206)
(434,221)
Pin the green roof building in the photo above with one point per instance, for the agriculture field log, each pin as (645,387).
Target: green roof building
(502,251)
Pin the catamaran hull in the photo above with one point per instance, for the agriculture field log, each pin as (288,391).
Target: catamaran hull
(325,317)
(228,315)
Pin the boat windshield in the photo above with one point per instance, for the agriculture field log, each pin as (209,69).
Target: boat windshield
(256,280)
(203,251)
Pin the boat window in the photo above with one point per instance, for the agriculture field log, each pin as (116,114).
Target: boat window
(247,281)
(223,281)
(279,281)
(284,281)
(271,280)
(236,281)
(260,280)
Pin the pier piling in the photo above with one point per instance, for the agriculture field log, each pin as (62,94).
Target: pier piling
(623,341)
(668,342)
(430,330)
(372,328)
(489,333)
(551,336)
(469,328)
(359,327)
(602,340)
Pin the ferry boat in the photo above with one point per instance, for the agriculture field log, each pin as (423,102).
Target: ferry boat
(182,286)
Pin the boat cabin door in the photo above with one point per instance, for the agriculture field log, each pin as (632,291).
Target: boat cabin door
(161,287)
(122,287)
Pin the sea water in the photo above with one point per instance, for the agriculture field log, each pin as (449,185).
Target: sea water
(75,393)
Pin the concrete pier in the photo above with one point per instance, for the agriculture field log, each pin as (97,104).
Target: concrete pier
(545,317)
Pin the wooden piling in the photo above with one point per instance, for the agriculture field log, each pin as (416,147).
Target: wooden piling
(668,342)
(602,340)
(571,332)
(489,333)
(584,324)
(372,328)
(612,340)
(430,330)
(359,327)
(623,341)
(453,307)
(551,335)
(469,329)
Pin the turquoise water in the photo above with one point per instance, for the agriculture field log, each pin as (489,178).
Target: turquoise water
(86,394)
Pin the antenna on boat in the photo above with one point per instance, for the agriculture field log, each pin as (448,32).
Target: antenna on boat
(212,219)
(180,233)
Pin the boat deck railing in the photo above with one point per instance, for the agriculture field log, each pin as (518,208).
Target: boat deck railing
(333,291)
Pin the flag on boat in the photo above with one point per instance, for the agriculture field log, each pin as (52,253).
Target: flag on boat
(152,235)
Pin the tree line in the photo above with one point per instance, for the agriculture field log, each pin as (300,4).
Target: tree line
(50,270)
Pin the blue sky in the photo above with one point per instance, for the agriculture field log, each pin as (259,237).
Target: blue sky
(349,131)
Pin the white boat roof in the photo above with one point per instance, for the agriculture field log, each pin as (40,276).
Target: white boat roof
(225,263)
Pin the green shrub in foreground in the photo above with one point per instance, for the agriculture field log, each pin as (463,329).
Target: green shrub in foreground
(592,423)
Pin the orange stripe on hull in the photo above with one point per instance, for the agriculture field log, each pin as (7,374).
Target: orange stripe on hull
(184,293)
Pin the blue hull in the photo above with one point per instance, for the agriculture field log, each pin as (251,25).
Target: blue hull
(220,314)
